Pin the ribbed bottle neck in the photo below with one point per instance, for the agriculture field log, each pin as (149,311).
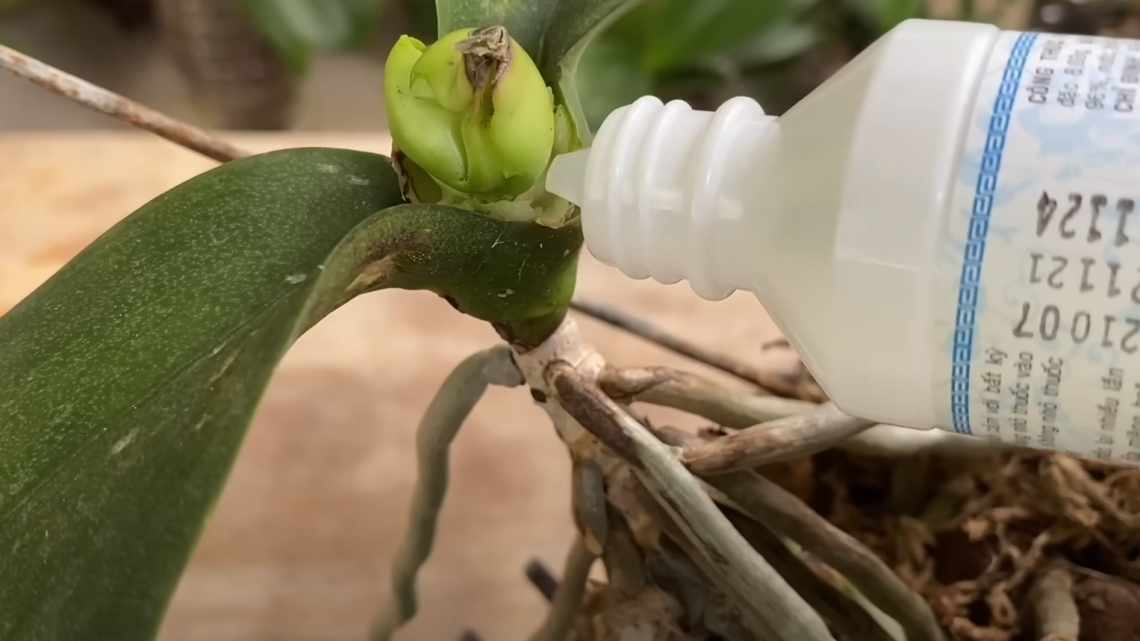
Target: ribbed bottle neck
(663,191)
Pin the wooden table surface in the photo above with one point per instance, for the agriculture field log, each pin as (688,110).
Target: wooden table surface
(302,538)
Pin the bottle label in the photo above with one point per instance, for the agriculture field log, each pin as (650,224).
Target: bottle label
(1044,335)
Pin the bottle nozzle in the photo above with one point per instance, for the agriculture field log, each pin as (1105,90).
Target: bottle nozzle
(567,176)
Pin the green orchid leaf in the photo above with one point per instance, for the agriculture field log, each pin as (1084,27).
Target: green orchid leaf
(525,20)
(575,24)
(547,29)
(299,28)
(127,380)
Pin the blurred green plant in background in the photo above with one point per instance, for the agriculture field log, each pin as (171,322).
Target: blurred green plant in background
(298,29)
(245,57)
(705,52)
(779,50)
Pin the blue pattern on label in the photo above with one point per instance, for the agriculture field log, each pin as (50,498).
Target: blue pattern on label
(970,282)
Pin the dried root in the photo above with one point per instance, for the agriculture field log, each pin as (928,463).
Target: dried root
(986,542)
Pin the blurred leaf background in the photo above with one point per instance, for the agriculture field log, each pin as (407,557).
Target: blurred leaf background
(244,59)
(779,50)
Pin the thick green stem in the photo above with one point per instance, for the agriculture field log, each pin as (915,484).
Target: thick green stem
(517,276)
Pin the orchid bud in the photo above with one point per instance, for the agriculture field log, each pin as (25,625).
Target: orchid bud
(472,110)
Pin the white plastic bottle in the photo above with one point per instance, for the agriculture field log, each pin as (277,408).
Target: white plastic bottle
(945,229)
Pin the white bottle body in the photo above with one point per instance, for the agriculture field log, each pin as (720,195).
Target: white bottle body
(891,224)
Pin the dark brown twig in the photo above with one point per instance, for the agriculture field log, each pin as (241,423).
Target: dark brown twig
(113,104)
(541,578)
(568,598)
(779,383)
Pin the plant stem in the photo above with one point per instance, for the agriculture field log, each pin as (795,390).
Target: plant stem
(541,578)
(695,394)
(776,508)
(771,602)
(568,596)
(773,442)
(588,503)
(739,410)
(441,422)
(113,104)
(624,562)
(843,614)
(800,428)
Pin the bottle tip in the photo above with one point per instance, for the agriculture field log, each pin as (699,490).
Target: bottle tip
(567,176)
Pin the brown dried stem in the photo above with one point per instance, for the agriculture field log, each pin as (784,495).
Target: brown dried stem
(625,566)
(786,384)
(698,395)
(778,509)
(844,616)
(740,409)
(588,504)
(113,104)
(772,604)
(784,513)
(773,442)
(778,429)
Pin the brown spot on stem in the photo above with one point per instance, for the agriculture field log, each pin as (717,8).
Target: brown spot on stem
(592,409)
